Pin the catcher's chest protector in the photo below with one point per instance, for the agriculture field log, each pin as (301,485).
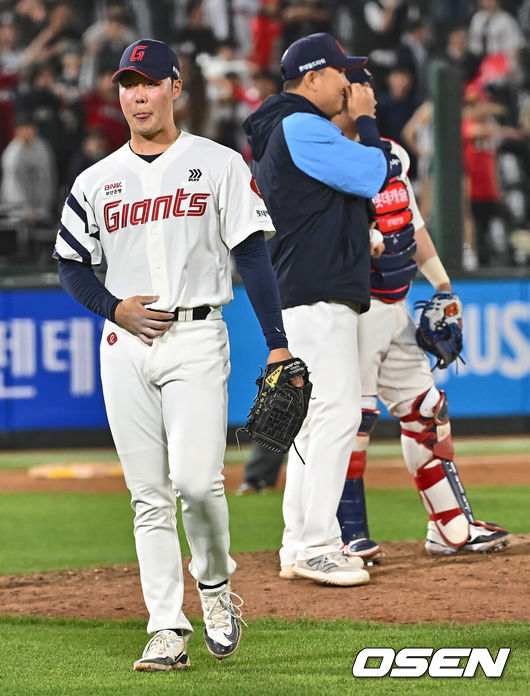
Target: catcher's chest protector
(394,270)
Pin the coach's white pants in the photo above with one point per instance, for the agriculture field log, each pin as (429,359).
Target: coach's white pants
(167,410)
(325,336)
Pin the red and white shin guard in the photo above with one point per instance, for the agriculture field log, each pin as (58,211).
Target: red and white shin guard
(428,448)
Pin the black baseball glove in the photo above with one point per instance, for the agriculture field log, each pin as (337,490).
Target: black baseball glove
(440,328)
(279,408)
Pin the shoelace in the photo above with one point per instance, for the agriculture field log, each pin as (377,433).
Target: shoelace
(222,609)
(160,644)
(338,558)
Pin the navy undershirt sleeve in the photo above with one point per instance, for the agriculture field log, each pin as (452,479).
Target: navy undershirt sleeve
(254,264)
(369,136)
(80,281)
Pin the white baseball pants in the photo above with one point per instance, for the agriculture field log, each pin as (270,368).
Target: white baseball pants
(324,335)
(167,410)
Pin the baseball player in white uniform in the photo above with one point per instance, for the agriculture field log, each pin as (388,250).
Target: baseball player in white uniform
(165,210)
(394,368)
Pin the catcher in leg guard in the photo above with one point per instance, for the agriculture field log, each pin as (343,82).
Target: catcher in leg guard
(394,368)
(428,450)
(281,404)
(426,442)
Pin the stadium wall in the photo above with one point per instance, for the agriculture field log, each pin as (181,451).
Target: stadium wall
(50,392)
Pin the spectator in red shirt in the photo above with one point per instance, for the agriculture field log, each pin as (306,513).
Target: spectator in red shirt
(103,112)
(481,136)
(266,29)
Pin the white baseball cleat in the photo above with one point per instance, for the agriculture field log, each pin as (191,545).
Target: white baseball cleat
(166,650)
(483,536)
(333,568)
(222,620)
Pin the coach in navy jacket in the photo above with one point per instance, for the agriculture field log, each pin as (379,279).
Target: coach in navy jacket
(316,184)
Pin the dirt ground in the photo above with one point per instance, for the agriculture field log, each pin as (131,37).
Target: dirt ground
(381,473)
(408,586)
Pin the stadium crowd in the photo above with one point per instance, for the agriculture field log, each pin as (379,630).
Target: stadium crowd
(60,111)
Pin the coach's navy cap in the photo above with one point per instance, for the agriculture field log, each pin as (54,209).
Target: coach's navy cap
(363,75)
(150,58)
(315,52)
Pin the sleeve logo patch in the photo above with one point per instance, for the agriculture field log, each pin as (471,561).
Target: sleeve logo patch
(115,188)
(112,338)
(255,188)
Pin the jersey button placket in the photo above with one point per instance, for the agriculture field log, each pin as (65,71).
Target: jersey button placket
(155,247)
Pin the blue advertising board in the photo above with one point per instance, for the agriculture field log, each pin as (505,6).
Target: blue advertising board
(49,362)
(49,356)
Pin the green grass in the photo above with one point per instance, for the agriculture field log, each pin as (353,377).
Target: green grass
(48,531)
(14,459)
(59,657)
(390,449)
(464,447)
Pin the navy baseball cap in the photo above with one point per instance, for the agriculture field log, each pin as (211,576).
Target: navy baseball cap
(363,75)
(150,58)
(315,52)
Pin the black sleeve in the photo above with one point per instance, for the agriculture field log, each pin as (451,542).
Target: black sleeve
(369,136)
(79,281)
(254,264)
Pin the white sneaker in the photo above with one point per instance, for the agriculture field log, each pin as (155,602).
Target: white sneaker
(483,536)
(333,569)
(222,620)
(166,650)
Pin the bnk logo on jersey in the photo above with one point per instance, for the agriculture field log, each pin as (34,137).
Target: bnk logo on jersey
(115,188)
(455,663)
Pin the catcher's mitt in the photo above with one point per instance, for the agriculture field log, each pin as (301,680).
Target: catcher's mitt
(279,408)
(440,328)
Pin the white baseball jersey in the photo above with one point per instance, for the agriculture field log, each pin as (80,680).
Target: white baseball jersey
(165,227)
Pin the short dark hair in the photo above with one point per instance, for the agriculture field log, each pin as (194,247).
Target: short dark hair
(192,5)
(289,85)
(23,118)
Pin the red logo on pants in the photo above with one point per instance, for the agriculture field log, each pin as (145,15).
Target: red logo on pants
(112,338)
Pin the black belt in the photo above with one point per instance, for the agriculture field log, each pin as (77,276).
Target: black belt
(186,314)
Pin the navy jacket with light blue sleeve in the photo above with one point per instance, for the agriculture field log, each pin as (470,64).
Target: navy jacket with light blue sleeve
(315,183)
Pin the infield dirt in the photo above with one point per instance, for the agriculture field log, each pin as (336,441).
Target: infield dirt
(407,587)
